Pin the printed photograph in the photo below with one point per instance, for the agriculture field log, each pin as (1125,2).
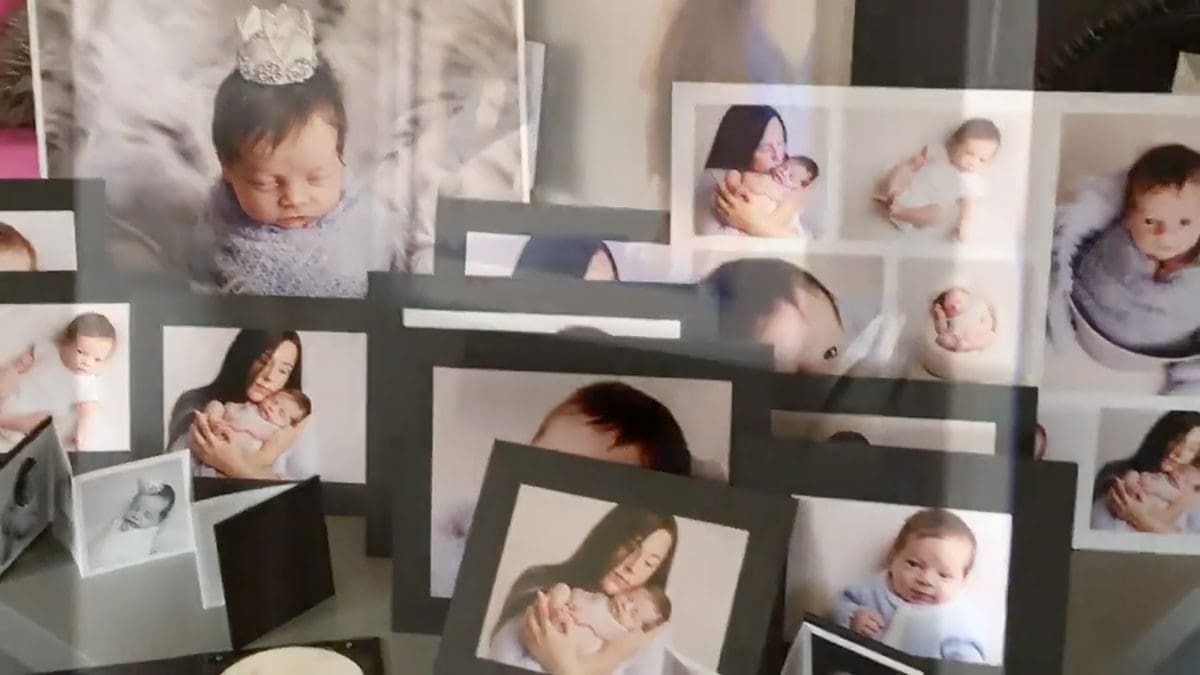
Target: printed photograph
(618,583)
(929,582)
(820,313)
(37,241)
(267,404)
(967,321)
(676,426)
(1125,254)
(894,432)
(757,172)
(26,495)
(382,109)
(935,175)
(134,513)
(522,322)
(817,651)
(69,363)
(522,256)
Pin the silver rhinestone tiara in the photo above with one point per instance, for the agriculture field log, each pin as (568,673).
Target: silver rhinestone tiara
(277,46)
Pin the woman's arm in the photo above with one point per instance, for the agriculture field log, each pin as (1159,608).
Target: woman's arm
(1133,509)
(273,448)
(736,211)
(211,449)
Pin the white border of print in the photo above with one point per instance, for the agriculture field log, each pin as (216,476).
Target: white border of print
(803,643)
(523,322)
(687,96)
(183,505)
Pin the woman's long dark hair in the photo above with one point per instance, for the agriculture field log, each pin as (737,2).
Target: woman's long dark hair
(739,134)
(609,541)
(556,257)
(1165,433)
(229,386)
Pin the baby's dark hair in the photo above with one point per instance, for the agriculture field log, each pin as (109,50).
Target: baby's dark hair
(938,523)
(636,418)
(11,239)
(1164,166)
(164,491)
(301,400)
(809,164)
(662,602)
(246,113)
(90,325)
(749,289)
(974,129)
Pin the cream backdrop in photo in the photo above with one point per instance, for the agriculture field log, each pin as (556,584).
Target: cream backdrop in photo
(52,234)
(824,559)
(474,408)
(547,527)
(29,324)
(1125,137)
(899,432)
(335,379)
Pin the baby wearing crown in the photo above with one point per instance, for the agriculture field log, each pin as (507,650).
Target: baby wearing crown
(286,217)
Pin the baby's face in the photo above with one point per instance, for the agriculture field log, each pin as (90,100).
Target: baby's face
(972,155)
(956,301)
(294,184)
(1165,223)
(571,432)
(86,354)
(930,570)
(16,260)
(806,338)
(145,511)
(281,410)
(796,175)
(635,610)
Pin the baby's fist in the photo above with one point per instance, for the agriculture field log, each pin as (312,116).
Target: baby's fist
(867,622)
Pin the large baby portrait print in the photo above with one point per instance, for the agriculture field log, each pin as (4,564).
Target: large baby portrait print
(676,426)
(623,584)
(930,582)
(69,363)
(1126,256)
(267,404)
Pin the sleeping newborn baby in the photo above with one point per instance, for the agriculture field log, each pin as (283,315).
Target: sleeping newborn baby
(1159,491)
(767,191)
(964,321)
(593,619)
(248,426)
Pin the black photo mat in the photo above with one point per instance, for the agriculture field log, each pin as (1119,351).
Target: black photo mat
(827,657)
(156,311)
(1012,409)
(767,518)
(366,653)
(1039,495)
(456,218)
(400,434)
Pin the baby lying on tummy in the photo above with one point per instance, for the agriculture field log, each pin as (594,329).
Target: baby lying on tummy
(767,191)
(593,619)
(964,322)
(248,426)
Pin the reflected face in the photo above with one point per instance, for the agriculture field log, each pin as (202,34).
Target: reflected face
(973,154)
(86,354)
(930,570)
(1165,223)
(16,260)
(271,371)
(635,610)
(294,184)
(1184,451)
(806,336)
(771,150)
(145,511)
(638,563)
(600,268)
(572,433)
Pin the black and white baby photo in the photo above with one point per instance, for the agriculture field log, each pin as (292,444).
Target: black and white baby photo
(750,170)
(1127,256)
(954,171)
(522,256)
(820,313)
(267,404)
(1139,475)
(68,362)
(967,321)
(609,570)
(26,496)
(37,241)
(134,513)
(893,432)
(817,651)
(929,582)
(677,426)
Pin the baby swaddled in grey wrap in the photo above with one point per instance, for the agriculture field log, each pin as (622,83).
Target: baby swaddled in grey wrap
(231,253)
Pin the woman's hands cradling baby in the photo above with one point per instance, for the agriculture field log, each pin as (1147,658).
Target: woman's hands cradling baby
(544,636)
(210,444)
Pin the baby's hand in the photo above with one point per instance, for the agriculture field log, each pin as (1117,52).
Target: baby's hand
(867,622)
(24,362)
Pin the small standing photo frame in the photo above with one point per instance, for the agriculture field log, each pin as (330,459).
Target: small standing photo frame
(823,649)
(27,499)
(684,571)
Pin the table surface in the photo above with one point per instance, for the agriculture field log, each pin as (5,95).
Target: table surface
(51,619)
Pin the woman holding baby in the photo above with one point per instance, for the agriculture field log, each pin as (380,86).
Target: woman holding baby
(628,551)
(1156,490)
(258,365)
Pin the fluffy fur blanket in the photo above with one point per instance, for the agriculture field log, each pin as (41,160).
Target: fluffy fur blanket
(16,76)
(431,89)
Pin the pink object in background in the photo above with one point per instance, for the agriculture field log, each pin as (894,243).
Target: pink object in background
(18,147)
